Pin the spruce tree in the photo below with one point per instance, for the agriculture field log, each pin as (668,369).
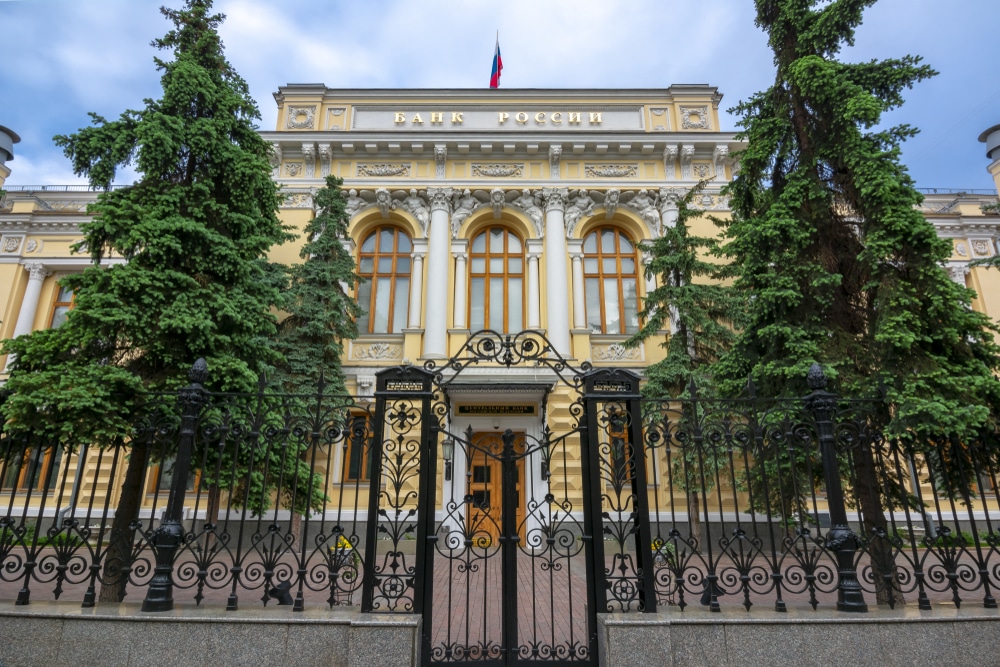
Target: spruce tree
(321,315)
(842,268)
(700,310)
(194,232)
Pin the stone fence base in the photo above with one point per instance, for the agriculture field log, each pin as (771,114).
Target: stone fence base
(889,638)
(57,634)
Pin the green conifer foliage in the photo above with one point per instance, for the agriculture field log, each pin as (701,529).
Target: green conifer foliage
(841,267)
(321,312)
(692,301)
(194,232)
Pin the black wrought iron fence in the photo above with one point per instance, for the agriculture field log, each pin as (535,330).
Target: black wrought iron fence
(770,502)
(210,496)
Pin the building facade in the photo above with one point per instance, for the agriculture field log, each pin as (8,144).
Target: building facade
(480,209)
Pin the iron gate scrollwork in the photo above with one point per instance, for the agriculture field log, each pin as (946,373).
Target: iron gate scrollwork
(503,569)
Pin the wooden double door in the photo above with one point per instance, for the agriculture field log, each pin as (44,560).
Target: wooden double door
(491,462)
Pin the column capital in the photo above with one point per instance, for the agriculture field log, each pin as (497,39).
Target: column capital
(37,271)
(440,198)
(555,199)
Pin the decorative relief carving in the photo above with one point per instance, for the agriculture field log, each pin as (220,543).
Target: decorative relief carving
(980,248)
(961,250)
(383,169)
(335,118)
(710,202)
(293,169)
(957,273)
(384,201)
(659,119)
(309,155)
(32,246)
(11,244)
(325,156)
(75,206)
(611,198)
(701,170)
(719,157)
(497,170)
(275,160)
(687,153)
(528,203)
(694,118)
(298,200)
(644,205)
(555,155)
(580,204)
(300,118)
(464,205)
(497,201)
(417,206)
(669,160)
(611,170)
(441,157)
(376,351)
(615,352)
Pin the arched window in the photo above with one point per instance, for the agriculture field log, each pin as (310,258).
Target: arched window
(384,295)
(496,281)
(610,278)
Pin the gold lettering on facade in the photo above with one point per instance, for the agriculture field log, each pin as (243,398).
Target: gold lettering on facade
(456,117)
(417,119)
(540,118)
(595,117)
(521,117)
(400,117)
(403,385)
(502,117)
(437,117)
(556,118)
(574,117)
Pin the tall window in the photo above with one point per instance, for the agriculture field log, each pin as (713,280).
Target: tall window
(357,441)
(609,267)
(384,295)
(38,467)
(496,281)
(61,307)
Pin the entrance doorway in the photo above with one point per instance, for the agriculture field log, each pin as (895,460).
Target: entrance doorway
(485,486)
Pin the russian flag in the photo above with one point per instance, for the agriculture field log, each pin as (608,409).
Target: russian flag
(497,66)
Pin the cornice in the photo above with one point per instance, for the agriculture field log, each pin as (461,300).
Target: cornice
(369,95)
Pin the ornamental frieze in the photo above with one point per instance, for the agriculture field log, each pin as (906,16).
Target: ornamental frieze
(502,170)
(611,170)
(376,351)
(382,169)
(615,352)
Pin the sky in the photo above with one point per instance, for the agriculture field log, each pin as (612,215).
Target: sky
(60,59)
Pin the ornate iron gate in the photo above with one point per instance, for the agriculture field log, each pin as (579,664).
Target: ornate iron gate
(502,564)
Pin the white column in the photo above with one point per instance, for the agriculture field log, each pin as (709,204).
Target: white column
(579,300)
(436,316)
(37,273)
(534,287)
(417,284)
(460,287)
(557,291)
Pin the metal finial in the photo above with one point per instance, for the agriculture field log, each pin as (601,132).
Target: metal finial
(816,378)
(199,372)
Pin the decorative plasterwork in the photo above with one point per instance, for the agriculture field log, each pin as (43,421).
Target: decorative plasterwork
(687,153)
(293,169)
(301,118)
(11,244)
(708,201)
(376,351)
(383,169)
(275,160)
(701,170)
(463,204)
(669,160)
(297,199)
(498,170)
(611,198)
(441,158)
(694,118)
(335,118)
(384,201)
(660,119)
(957,272)
(611,170)
(719,156)
(615,352)
(325,156)
(497,201)
(980,247)
(961,250)
(32,246)
(529,204)
(580,204)
(555,154)
(309,156)
(645,206)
